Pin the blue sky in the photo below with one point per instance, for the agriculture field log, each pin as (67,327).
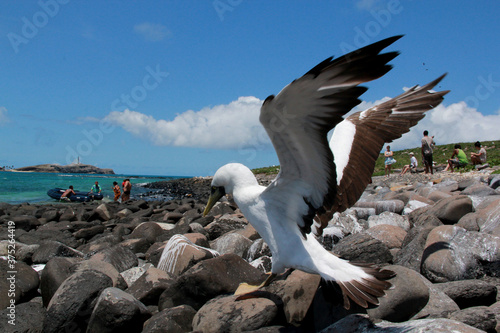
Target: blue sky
(175,87)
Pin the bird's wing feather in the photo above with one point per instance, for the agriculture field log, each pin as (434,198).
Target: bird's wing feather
(298,119)
(370,130)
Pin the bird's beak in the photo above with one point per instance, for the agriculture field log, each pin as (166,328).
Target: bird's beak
(215,195)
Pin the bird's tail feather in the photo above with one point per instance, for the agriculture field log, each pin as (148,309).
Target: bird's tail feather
(364,284)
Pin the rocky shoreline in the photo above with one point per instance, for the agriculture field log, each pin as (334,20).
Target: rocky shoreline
(159,266)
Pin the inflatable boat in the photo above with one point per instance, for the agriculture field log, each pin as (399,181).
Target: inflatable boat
(56,193)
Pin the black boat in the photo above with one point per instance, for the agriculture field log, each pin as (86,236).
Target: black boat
(79,196)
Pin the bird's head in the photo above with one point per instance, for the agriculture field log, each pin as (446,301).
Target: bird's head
(226,179)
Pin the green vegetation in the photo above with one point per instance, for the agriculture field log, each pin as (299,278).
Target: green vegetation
(267,170)
(441,154)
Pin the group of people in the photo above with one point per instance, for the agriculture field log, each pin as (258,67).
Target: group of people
(457,159)
(126,186)
(96,188)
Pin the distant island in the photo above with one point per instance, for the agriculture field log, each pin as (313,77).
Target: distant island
(71,168)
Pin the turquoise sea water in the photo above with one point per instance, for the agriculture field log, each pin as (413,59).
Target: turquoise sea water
(32,187)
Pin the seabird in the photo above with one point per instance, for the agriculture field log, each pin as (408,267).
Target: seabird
(318,178)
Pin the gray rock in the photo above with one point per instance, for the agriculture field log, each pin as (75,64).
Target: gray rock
(103,267)
(19,286)
(88,233)
(439,304)
(150,285)
(407,298)
(480,190)
(469,293)
(73,303)
(136,245)
(118,256)
(390,235)
(27,317)
(208,279)
(132,274)
(357,323)
(258,249)
(151,230)
(364,248)
(232,243)
(176,319)
(51,249)
(452,253)
(223,225)
(393,206)
(117,311)
(495,182)
(25,222)
(297,292)
(25,252)
(480,317)
(225,314)
(390,219)
(53,275)
(451,209)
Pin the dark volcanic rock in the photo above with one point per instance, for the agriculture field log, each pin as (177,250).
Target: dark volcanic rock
(209,279)
(469,293)
(364,248)
(176,319)
(53,275)
(74,301)
(117,311)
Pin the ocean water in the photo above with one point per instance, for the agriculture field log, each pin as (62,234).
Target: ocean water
(32,187)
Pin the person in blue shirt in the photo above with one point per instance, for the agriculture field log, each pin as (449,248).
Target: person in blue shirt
(95,188)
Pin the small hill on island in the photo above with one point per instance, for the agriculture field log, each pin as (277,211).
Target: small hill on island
(71,168)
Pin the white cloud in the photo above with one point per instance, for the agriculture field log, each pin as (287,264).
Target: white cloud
(450,124)
(152,32)
(236,126)
(3,115)
(232,126)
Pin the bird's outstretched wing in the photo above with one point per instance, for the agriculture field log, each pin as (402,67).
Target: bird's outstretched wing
(358,140)
(298,119)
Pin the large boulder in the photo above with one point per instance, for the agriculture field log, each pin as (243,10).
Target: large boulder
(225,314)
(469,293)
(53,275)
(451,209)
(118,256)
(117,311)
(150,285)
(452,253)
(74,301)
(407,298)
(208,279)
(364,248)
(176,319)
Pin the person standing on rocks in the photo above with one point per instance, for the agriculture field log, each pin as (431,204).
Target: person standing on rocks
(116,190)
(389,160)
(127,186)
(427,143)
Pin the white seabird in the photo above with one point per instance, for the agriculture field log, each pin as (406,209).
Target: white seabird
(317,179)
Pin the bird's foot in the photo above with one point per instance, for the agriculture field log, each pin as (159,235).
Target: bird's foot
(245,290)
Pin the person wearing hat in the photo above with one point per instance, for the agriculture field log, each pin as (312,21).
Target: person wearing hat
(412,166)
